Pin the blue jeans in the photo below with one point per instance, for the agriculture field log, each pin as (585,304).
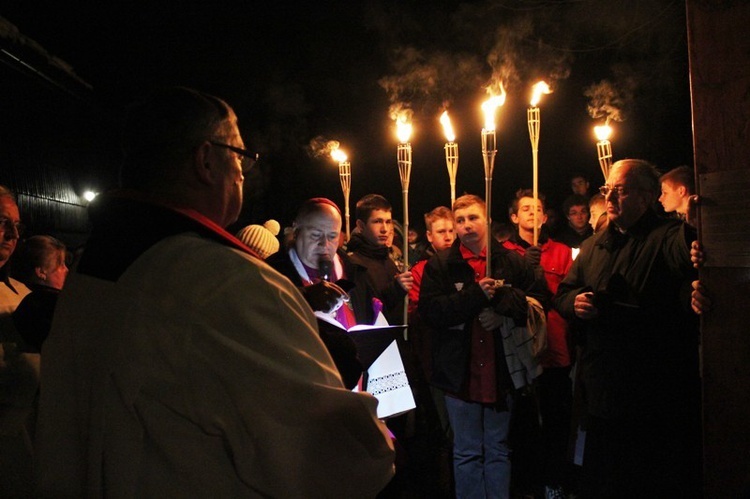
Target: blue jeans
(481,454)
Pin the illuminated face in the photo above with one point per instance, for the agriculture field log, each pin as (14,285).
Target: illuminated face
(471,227)
(441,234)
(578,217)
(230,187)
(527,216)
(378,228)
(318,234)
(672,197)
(624,209)
(8,234)
(579,185)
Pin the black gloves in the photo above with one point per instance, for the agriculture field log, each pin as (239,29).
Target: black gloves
(533,255)
(324,296)
(511,302)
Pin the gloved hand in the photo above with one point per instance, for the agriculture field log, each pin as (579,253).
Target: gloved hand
(510,302)
(325,296)
(533,255)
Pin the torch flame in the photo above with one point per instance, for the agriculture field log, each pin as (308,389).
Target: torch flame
(447,127)
(602,132)
(403,129)
(489,106)
(338,155)
(536,92)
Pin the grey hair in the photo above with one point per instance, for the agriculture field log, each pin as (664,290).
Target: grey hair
(644,175)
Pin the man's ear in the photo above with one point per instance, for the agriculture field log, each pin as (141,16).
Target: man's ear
(681,191)
(514,218)
(360,224)
(203,166)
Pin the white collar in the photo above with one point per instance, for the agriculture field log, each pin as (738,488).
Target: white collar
(338,268)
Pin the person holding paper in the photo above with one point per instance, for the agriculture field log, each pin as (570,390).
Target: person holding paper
(471,315)
(329,280)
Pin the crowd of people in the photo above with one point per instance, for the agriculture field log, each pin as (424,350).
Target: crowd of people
(184,360)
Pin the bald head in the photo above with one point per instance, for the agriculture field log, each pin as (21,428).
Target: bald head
(633,189)
(317,229)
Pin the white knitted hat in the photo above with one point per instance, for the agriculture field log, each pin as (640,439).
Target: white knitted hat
(261,238)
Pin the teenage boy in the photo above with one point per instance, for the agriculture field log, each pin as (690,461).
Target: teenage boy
(576,212)
(471,315)
(368,246)
(553,385)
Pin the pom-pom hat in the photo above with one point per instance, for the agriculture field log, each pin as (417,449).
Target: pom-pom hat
(261,238)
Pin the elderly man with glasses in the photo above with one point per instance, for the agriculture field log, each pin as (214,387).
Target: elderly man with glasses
(11,290)
(19,369)
(181,365)
(628,292)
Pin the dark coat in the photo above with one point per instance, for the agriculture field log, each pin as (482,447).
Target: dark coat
(382,272)
(639,356)
(33,316)
(569,237)
(450,311)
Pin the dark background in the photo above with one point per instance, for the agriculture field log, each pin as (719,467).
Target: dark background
(298,75)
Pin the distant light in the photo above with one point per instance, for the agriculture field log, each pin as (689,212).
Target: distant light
(89,195)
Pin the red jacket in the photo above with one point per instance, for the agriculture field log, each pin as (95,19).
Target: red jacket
(556,261)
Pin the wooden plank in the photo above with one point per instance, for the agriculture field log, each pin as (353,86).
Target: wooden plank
(724,225)
(720,81)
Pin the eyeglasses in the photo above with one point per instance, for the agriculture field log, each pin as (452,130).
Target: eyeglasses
(247,158)
(7,225)
(620,190)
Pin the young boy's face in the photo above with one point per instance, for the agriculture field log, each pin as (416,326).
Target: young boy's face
(671,196)
(378,227)
(441,234)
(526,215)
(470,224)
(578,216)
(579,185)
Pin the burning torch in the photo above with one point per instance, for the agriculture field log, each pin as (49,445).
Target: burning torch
(451,153)
(534,120)
(604,147)
(345,177)
(489,149)
(403,132)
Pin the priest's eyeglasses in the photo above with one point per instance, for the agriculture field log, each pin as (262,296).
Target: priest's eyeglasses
(247,158)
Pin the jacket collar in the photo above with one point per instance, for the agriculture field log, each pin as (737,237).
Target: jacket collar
(516,238)
(125,224)
(5,278)
(611,238)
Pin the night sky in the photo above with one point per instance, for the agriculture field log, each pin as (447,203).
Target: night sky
(302,75)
